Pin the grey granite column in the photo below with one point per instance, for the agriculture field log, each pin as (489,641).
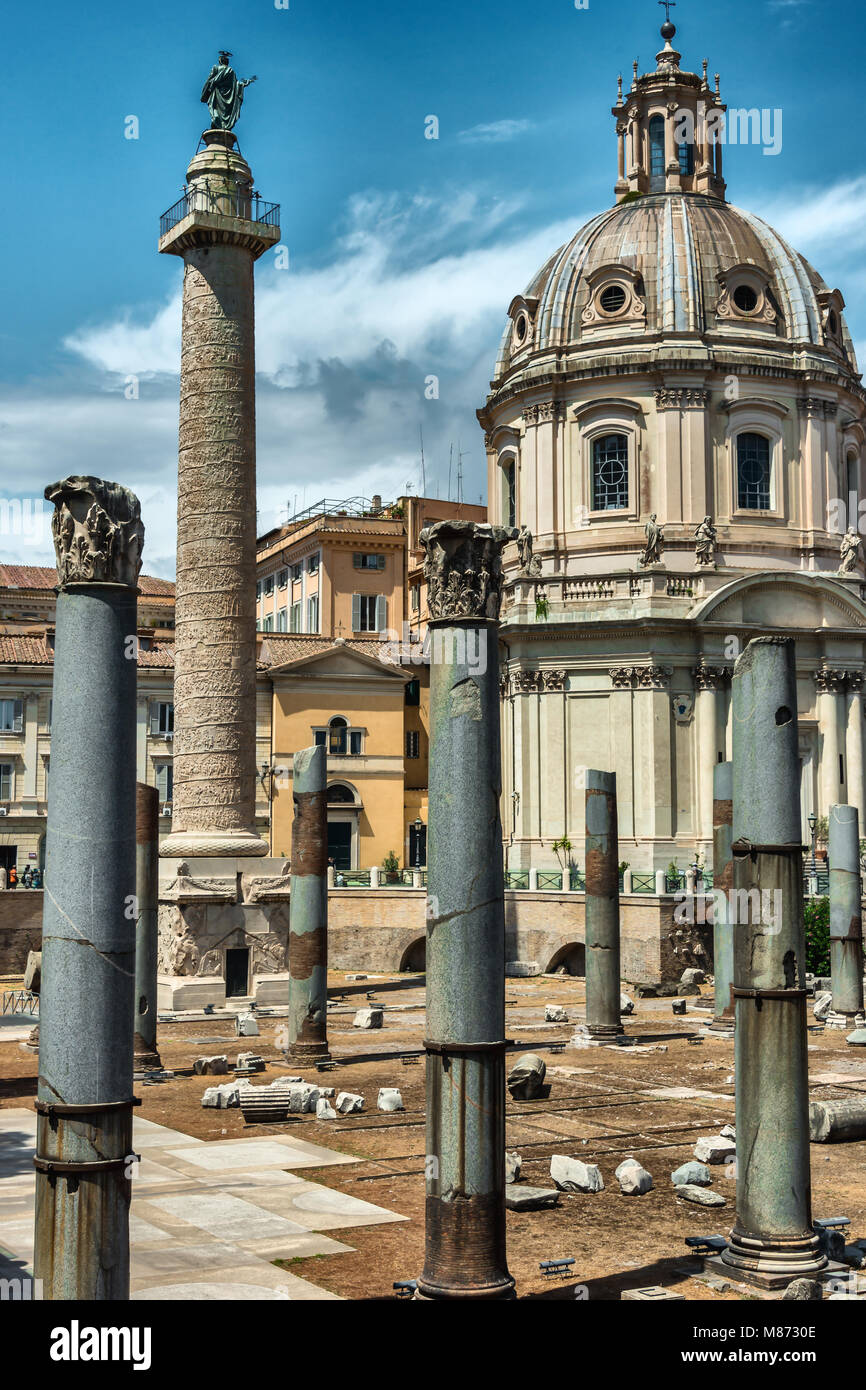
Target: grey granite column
(723,882)
(216,233)
(308,922)
(465,1043)
(772,1240)
(603,1019)
(145,1054)
(846,925)
(85,1098)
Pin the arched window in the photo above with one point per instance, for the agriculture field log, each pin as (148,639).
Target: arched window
(337,731)
(753,472)
(340,795)
(657,154)
(609,472)
(509,493)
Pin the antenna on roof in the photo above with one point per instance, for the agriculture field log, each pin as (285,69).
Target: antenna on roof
(459,473)
(423,479)
(450,456)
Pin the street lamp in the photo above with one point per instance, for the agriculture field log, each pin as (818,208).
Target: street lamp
(419,825)
(813,822)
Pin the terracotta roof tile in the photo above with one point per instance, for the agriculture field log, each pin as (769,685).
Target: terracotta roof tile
(19,649)
(33,649)
(44,578)
(283,647)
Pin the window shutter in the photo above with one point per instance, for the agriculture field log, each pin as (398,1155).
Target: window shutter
(381,613)
(154,718)
(356,612)
(19,716)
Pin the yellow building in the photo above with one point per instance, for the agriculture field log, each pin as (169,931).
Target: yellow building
(349,575)
(342,695)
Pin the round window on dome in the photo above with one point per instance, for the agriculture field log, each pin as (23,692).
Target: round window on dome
(612,299)
(520,328)
(745,299)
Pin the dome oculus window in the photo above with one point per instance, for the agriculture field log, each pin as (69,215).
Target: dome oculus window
(520,328)
(610,473)
(612,299)
(745,299)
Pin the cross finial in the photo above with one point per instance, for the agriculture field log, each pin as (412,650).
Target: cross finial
(669,5)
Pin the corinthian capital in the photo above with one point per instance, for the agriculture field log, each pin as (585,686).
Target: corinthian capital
(830,679)
(463,568)
(709,677)
(98,533)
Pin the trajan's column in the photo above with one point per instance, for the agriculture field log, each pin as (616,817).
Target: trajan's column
(219,227)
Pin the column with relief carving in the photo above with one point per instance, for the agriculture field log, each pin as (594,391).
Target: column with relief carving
(465,1042)
(220,229)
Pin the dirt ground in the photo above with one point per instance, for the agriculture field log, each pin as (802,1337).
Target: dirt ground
(604,1104)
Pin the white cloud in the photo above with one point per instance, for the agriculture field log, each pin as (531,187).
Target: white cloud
(494,133)
(812,218)
(411,288)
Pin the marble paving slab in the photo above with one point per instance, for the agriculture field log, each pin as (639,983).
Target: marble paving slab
(226,1155)
(320,1208)
(208,1217)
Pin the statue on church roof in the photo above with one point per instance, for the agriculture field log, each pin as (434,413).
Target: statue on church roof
(850,552)
(652,551)
(705,542)
(223,92)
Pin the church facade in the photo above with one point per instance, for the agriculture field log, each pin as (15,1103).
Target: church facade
(677,418)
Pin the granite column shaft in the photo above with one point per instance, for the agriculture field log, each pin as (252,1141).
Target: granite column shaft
(147,931)
(308,930)
(85,1096)
(603,1019)
(846,924)
(723,882)
(465,1043)
(773,1240)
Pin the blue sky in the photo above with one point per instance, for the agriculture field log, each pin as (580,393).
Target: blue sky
(404,252)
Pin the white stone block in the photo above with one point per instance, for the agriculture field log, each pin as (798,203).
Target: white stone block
(633,1178)
(389,1099)
(717,1149)
(555,1013)
(572,1175)
(368,1018)
(348,1103)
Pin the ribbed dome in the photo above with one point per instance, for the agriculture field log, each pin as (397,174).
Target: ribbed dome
(678,244)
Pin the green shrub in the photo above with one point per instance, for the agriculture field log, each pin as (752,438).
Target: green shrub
(816,912)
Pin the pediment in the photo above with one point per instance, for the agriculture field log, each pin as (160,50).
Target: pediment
(786,602)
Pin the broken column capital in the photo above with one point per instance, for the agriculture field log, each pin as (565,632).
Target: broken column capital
(98,532)
(463,568)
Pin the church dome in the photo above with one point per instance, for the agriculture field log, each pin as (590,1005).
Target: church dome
(671,264)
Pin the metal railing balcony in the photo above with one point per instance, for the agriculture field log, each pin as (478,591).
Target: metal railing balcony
(224,203)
